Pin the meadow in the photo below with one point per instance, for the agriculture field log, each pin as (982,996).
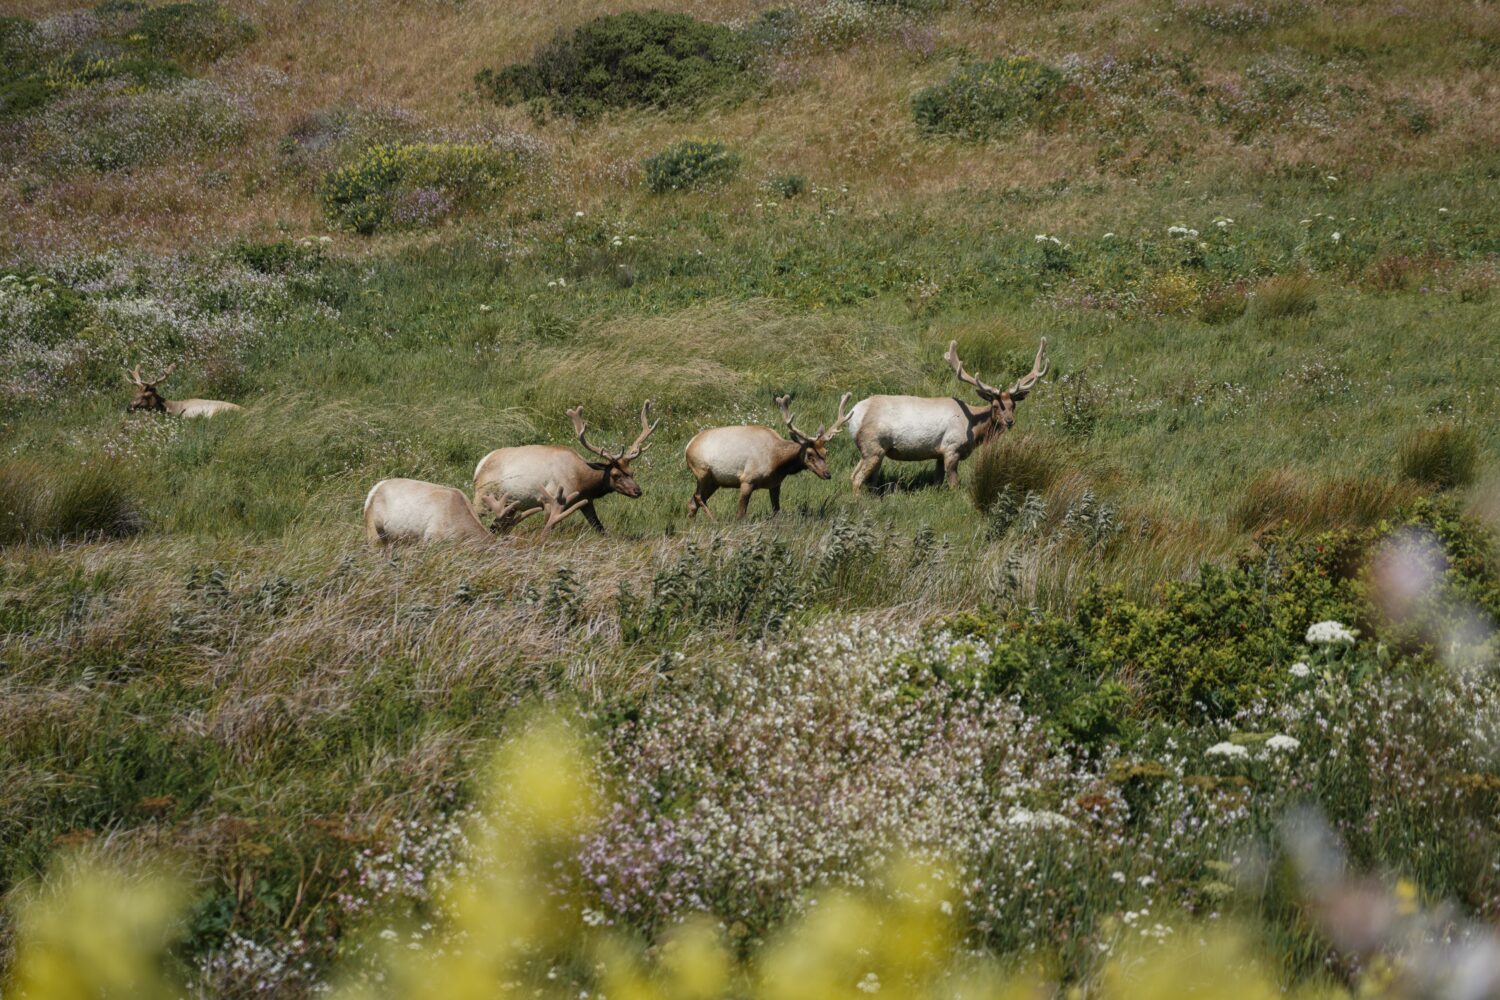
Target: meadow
(1204,642)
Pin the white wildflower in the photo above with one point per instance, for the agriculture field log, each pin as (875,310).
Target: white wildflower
(1227,749)
(1281,742)
(1300,669)
(1108,236)
(1041,819)
(1330,633)
(1336,237)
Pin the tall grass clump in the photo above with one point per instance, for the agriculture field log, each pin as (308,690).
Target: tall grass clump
(642,59)
(1445,456)
(986,99)
(1286,498)
(91,501)
(691,165)
(416,183)
(1018,463)
(1286,296)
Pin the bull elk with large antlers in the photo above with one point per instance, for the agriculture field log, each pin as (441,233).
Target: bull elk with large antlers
(944,428)
(751,457)
(148,398)
(555,479)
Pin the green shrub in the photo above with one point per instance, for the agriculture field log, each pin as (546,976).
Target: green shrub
(1445,456)
(390,184)
(646,59)
(197,32)
(987,99)
(690,165)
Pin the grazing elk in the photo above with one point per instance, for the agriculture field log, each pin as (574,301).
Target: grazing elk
(558,480)
(147,398)
(751,457)
(409,510)
(944,428)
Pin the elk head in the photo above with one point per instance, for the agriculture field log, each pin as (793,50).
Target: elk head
(146,396)
(1002,401)
(814,447)
(616,465)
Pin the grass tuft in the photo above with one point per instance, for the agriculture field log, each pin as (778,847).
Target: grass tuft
(1445,456)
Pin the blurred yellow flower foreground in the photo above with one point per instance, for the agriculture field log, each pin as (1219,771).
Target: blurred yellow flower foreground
(93,931)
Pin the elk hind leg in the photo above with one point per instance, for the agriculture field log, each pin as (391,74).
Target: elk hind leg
(706,489)
(867,467)
(745,490)
(950,468)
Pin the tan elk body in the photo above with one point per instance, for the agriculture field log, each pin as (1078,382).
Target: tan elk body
(410,510)
(940,428)
(148,398)
(751,457)
(558,480)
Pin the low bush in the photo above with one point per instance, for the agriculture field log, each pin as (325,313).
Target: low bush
(987,99)
(644,59)
(197,32)
(787,185)
(691,165)
(115,126)
(1445,456)
(415,183)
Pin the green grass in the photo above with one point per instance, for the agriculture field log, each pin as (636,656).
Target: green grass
(197,650)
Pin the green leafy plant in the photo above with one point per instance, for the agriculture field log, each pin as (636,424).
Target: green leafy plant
(367,193)
(690,165)
(651,59)
(986,99)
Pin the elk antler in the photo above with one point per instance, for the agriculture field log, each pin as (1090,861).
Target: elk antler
(581,429)
(639,444)
(134,375)
(1038,369)
(838,423)
(785,404)
(987,391)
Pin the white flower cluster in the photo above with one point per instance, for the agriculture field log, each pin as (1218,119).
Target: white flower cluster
(1299,669)
(1180,230)
(1283,743)
(1330,633)
(1227,750)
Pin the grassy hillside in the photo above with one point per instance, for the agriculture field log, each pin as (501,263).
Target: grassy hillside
(1260,237)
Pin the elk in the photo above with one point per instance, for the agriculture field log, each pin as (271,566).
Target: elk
(555,479)
(147,398)
(752,457)
(410,510)
(947,429)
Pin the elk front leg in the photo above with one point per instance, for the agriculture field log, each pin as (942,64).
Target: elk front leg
(775,490)
(950,468)
(591,515)
(866,468)
(745,490)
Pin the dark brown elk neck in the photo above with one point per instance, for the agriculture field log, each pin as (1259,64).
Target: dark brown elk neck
(593,480)
(789,458)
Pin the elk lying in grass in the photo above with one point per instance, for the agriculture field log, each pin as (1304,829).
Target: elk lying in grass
(555,479)
(147,398)
(944,428)
(751,457)
(410,510)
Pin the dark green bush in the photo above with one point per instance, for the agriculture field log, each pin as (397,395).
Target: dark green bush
(644,59)
(987,99)
(1207,647)
(196,32)
(690,165)
(1444,456)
